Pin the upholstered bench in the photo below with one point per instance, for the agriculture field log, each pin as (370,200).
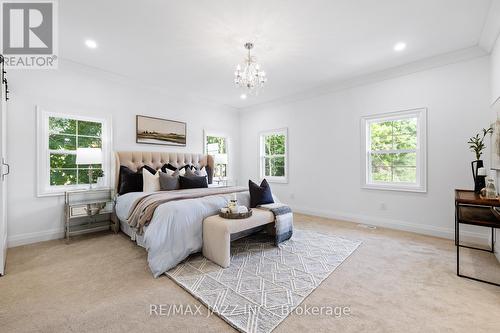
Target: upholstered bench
(218,233)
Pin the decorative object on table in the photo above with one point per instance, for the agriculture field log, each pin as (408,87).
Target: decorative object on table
(250,76)
(491,190)
(160,131)
(479,179)
(233,211)
(476,144)
(90,157)
(240,214)
(495,146)
(233,204)
(260,194)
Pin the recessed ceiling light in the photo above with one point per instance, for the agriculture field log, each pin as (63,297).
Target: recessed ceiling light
(91,43)
(243,96)
(399,47)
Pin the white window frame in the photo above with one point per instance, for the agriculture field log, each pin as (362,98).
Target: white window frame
(228,144)
(43,153)
(421,151)
(263,134)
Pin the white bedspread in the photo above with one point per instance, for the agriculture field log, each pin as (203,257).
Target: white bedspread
(175,230)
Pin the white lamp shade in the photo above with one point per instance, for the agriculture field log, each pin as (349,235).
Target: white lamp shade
(212,148)
(88,156)
(220,159)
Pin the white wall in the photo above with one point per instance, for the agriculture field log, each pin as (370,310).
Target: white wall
(323,132)
(495,97)
(81,90)
(495,72)
(324,143)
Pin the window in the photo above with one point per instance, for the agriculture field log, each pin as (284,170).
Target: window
(217,146)
(59,135)
(395,151)
(274,155)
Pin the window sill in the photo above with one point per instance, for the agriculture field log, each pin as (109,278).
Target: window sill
(61,191)
(275,180)
(394,187)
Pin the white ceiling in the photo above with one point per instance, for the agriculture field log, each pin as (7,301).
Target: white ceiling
(190,48)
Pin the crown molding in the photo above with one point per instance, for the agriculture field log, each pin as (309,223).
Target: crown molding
(68,64)
(491,28)
(407,69)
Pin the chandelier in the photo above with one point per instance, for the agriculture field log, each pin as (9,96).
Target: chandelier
(250,76)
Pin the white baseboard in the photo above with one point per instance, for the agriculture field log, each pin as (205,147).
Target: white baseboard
(448,233)
(425,229)
(497,244)
(34,237)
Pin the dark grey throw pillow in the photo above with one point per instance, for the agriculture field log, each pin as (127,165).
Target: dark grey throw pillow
(169,182)
(191,173)
(193,182)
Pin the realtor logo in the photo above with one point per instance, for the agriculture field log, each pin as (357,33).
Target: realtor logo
(29,34)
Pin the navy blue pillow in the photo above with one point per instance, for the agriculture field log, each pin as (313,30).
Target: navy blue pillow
(260,195)
(131,181)
(168,166)
(173,168)
(192,182)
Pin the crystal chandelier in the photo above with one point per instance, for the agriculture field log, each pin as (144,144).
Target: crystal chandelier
(250,76)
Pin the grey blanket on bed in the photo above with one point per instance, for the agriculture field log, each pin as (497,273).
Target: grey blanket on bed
(283,221)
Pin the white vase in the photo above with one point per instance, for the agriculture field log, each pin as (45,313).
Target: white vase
(100,181)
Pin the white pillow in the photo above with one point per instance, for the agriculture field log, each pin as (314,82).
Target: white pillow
(182,172)
(203,172)
(169,172)
(151,182)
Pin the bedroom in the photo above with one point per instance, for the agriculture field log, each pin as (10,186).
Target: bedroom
(332,70)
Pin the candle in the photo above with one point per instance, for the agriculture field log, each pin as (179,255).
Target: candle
(481,172)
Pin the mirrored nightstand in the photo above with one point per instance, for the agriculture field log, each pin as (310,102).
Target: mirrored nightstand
(88,211)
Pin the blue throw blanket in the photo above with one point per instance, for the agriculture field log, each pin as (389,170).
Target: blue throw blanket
(283,221)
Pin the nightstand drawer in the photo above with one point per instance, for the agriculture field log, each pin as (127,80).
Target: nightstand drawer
(76,211)
(85,209)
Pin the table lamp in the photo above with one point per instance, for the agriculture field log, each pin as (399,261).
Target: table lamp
(219,160)
(89,156)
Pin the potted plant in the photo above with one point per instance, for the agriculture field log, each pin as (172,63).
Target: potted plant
(100,177)
(476,145)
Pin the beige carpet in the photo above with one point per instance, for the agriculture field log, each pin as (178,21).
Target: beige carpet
(394,282)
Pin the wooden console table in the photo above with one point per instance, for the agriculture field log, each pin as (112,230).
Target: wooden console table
(471,209)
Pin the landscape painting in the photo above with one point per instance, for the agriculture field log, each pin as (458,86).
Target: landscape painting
(160,131)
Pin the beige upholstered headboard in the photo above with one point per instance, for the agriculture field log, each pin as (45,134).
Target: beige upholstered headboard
(136,159)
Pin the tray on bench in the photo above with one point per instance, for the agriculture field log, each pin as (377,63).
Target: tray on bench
(236,216)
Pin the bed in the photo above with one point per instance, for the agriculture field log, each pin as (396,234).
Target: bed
(173,230)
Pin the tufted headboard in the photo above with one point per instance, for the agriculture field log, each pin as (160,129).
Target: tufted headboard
(136,159)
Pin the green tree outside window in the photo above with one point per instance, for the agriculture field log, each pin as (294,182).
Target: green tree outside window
(393,151)
(65,136)
(274,155)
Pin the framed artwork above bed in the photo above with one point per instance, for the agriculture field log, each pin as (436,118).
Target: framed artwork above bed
(158,131)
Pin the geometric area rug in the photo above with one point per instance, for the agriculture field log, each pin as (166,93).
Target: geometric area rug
(264,283)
